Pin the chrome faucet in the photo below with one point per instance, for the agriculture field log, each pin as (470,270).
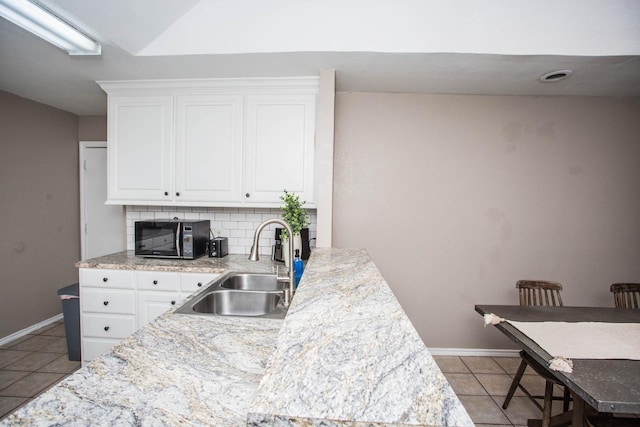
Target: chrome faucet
(253,256)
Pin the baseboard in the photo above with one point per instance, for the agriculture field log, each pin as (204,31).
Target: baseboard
(489,352)
(30,329)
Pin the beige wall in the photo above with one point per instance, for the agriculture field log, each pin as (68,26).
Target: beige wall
(92,128)
(458,197)
(39,217)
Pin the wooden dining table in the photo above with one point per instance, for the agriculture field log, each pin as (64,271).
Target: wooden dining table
(606,385)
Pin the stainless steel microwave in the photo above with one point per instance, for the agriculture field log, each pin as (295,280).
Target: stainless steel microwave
(172,238)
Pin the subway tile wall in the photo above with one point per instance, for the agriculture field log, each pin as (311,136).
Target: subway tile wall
(236,224)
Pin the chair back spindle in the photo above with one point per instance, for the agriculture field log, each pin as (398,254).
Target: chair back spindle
(539,292)
(626,295)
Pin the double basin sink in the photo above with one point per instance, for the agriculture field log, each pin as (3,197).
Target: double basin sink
(239,294)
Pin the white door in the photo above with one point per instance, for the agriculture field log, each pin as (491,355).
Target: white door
(102,227)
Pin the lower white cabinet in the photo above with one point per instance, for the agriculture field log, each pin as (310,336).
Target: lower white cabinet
(116,303)
(153,304)
(101,332)
(94,347)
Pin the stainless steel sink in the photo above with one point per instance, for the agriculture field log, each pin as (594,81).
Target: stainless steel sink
(252,282)
(237,303)
(239,294)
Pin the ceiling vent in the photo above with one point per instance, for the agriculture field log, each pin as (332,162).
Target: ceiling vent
(555,76)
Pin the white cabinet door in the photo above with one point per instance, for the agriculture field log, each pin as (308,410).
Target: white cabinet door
(280,145)
(153,304)
(209,148)
(140,148)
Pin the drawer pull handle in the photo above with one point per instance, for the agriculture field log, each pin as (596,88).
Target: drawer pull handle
(106,303)
(199,284)
(155,282)
(104,279)
(173,303)
(106,328)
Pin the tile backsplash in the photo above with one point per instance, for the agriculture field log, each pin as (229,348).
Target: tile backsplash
(236,224)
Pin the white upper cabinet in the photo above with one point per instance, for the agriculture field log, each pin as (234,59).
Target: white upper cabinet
(209,148)
(219,142)
(140,159)
(280,146)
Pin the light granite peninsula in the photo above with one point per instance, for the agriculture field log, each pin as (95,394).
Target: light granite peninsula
(345,355)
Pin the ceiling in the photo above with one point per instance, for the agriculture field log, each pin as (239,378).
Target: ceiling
(496,47)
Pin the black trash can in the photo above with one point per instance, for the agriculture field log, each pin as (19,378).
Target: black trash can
(70,296)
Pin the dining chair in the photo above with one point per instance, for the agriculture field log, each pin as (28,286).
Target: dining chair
(538,292)
(626,295)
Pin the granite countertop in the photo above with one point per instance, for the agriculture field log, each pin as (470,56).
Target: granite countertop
(345,355)
(178,370)
(347,352)
(126,260)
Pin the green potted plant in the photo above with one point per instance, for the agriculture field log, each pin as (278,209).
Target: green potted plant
(296,216)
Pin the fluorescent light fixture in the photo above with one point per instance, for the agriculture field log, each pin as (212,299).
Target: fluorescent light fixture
(44,24)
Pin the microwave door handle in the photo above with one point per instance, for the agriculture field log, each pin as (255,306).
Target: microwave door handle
(178,239)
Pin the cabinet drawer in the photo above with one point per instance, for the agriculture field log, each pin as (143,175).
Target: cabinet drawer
(94,347)
(157,281)
(190,282)
(108,326)
(123,279)
(108,301)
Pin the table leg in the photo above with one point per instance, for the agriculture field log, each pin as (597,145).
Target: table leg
(578,418)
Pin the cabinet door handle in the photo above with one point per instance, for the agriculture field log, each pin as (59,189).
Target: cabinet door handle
(166,193)
(155,282)
(106,303)
(177,193)
(173,303)
(104,279)
(106,328)
(199,284)
(247,195)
